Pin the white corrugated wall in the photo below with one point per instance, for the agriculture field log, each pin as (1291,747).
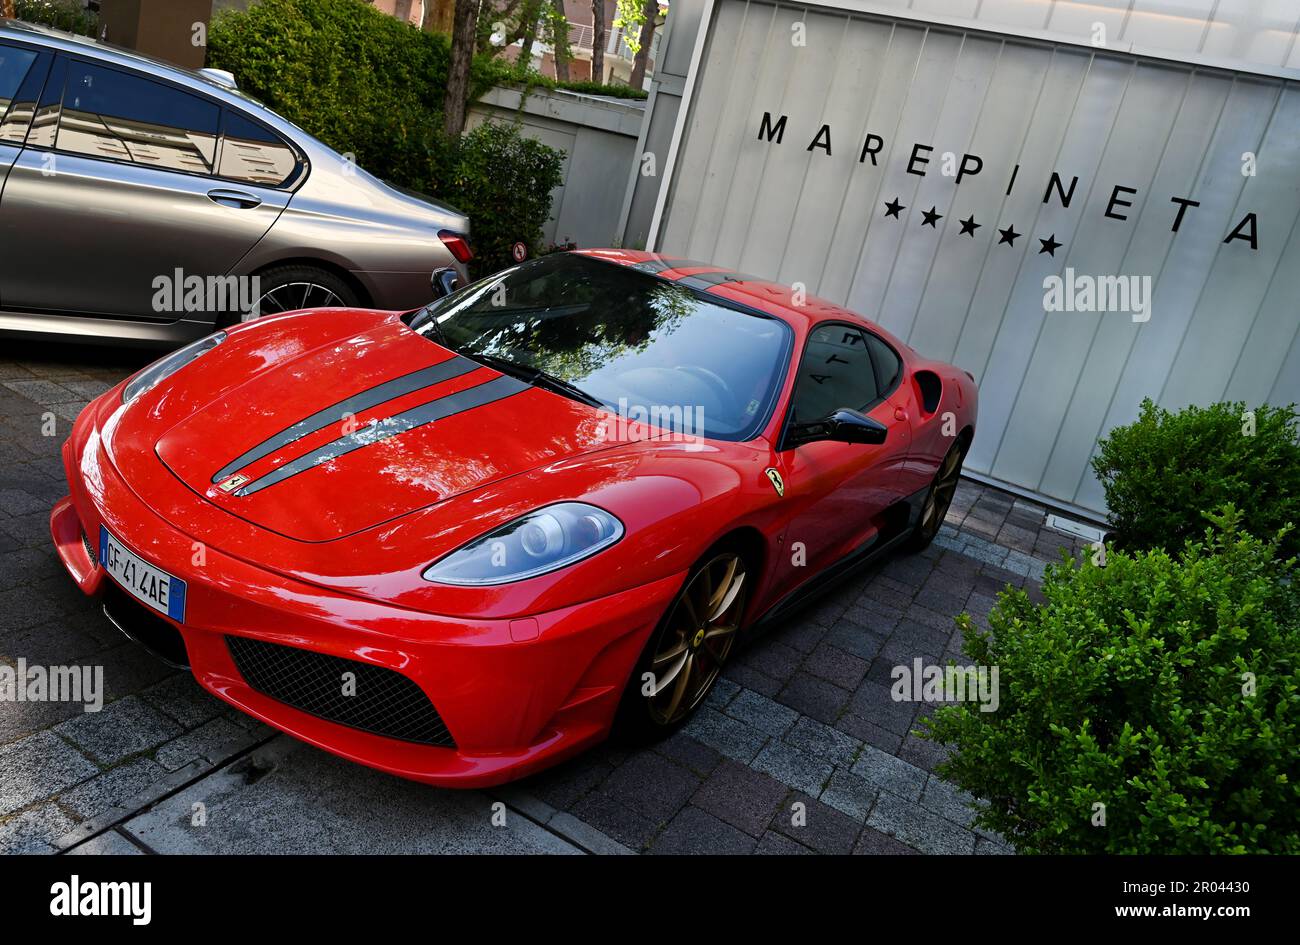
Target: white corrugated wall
(1224,316)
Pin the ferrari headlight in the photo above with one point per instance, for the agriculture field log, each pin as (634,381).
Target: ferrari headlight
(162,369)
(544,540)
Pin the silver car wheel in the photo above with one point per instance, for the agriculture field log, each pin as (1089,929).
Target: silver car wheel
(290,297)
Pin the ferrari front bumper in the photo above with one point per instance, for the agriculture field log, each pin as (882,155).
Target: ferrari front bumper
(516,695)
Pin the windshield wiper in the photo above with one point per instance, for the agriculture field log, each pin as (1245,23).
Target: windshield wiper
(424,318)
(535,376)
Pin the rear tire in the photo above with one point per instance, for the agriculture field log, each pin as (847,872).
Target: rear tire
(937,499)
(686,652)
(288,288)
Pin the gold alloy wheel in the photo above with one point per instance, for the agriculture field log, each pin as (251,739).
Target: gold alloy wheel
(697,637)
(941,492)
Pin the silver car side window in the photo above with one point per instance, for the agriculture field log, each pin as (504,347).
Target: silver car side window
(20,85)
(45,124)
(253,154)
(121,117)
(14,63)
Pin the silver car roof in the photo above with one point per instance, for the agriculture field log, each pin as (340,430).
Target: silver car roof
(83,45)
(87,46)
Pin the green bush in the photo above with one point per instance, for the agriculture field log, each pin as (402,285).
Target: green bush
(67,15)
(371,86)
(599,88)
(1162,471)
(1129,687)
(504,180)
(535,80)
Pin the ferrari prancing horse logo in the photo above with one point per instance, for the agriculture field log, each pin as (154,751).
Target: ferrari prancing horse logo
(777,482)
(233,483)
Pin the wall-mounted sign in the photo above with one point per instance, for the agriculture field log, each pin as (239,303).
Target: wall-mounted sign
(967,166)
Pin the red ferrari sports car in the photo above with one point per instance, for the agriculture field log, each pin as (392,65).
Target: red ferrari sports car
(463,543)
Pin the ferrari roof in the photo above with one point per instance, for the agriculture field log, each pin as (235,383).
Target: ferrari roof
(772,297)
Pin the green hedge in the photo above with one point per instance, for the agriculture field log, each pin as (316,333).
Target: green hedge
(68,15)
(504,180)
(369,85)
(1166,689)
(533,80)
(1161,472)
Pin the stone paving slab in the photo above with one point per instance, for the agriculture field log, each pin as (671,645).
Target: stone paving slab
(38,767)
(35,830)
(288,797)
(111,843)
(123,728)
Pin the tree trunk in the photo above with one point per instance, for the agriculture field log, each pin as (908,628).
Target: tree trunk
(561,45)
(456,101)
(600,30)
(650,11)
(439,16)
(7,10)
(532,16)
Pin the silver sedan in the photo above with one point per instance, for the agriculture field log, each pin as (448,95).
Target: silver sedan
(141,202)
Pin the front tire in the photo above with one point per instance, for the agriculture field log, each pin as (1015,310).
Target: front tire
(689,647)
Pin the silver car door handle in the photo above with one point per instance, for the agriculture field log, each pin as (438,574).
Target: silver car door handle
(234,198)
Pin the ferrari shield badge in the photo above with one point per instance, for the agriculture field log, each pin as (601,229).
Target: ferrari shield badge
(777,482)
(233,483)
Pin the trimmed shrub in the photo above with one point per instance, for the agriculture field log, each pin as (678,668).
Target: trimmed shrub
(371,86)
(1163,470)
(71,16)
(599,88)
(504,180)
(1165,689)
(535,80)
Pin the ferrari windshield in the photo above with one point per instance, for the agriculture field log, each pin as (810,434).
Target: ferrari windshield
(642,346)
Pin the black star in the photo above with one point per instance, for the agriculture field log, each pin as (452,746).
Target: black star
(1008,236)
(1050,245)
(892,209)
(969,226)
(930,217)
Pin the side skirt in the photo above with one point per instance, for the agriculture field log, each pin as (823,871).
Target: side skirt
(903,514)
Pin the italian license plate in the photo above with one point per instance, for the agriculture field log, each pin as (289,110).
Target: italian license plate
(152,586)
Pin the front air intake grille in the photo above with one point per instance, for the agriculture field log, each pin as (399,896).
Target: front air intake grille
(91,551)
(144,626)
(373,699)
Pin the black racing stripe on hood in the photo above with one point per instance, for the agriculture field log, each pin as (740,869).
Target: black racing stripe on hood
(454,366)
(664,263)
(438,409)
(707,280)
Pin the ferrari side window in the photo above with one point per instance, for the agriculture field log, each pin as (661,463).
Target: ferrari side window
(888,367)
(836,371)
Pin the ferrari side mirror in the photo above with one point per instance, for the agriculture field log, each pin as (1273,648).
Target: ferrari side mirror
(445,281)
(843,426)
(850,426)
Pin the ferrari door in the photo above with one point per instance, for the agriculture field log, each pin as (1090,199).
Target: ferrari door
(837,493)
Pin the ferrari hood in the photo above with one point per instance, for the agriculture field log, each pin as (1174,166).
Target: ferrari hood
(358,432)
